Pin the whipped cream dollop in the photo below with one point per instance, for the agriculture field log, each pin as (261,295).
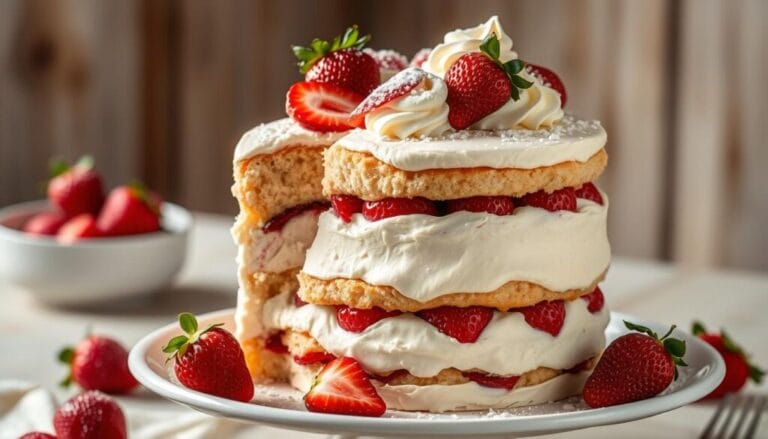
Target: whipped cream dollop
(538,106)
(571,139)
(420,113)
(269,138)
(281,250)
(424,257)
(507,346)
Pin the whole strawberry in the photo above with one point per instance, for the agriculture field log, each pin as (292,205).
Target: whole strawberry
(77,189)
(737,366)
(479,84)
(130,210)
(210,360)
(45,223)
(340,62)
(98,363)
(90,415)
(635,366)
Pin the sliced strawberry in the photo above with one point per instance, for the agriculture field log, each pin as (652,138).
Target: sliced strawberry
(321,107)
(494,205)
(420,57)
(490,380)
(297,301)
(45,223)
(357,320)
(563,199)
(277,223)
(80,227)
(463,324)
(550,79)
(343,388)
(274,343)
(314,357)
(595,300)
(588,191)
(346,206)
(546,316)
(400,85)
(389,207)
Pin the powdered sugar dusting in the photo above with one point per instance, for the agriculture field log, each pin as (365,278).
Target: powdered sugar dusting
(399,85)
(269,138)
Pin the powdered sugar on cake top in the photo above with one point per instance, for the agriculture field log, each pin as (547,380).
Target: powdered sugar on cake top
(269,138)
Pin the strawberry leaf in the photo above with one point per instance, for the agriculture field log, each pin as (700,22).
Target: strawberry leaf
(756,374)
(640,328)
(318,48)
(675,347)
(57,167)
(66,355)
(697,328)
(492,48)
(175,344)
(188,323)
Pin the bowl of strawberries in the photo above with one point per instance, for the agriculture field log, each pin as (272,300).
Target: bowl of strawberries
(83,245)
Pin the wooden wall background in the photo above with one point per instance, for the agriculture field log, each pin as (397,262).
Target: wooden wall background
(161,90)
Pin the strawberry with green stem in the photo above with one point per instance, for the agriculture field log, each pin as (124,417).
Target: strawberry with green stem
(738,368)
(210,360)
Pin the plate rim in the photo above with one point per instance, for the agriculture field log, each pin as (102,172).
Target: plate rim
(309,421)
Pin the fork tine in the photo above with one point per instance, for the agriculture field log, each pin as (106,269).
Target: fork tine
(707,433)
(750,433)
(733,407)
(746,409)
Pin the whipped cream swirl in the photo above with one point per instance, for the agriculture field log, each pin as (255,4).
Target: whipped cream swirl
(420,113)
(538,106)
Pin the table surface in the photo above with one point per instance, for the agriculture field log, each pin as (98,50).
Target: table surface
(33,333)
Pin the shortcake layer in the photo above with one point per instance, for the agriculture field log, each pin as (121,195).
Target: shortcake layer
(255,289)
(277,166)
(407,262)
(466,163)
(508,345)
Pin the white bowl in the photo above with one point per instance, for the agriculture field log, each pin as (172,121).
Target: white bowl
(92,270)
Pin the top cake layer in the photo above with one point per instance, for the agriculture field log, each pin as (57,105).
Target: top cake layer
(278,135)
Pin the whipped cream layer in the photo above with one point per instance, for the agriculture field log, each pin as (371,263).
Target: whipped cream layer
(507,345)
(420,113)
(571,139)
(275,252)
(424,257)
(269,138)
(472,396)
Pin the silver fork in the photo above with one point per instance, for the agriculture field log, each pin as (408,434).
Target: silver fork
(739,407)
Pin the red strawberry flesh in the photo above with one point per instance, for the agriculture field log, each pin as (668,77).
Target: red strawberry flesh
(489,380)
(389,207)
(494,205)
(399,85)
(349,69)
(314,357)
(321,107)
(595,300)
(80,227)
(546,316)
(277,223)
(562,199)
(78,190)
(129,211)
(588,191)
(90,415)
(358,320)
(342,387)
(550,79)
(274,343)
(463,324)
(45,223)
(346,205)
(101,363)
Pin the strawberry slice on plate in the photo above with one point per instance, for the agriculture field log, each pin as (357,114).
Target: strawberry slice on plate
(463,324)
(357,320)
(550,79)
(546,316)
(399,85)
(342,387)
(321,107)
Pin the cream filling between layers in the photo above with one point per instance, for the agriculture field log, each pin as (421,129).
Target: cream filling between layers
(507,345)
(269,138)
(424,257)
(571,139)
(275,252)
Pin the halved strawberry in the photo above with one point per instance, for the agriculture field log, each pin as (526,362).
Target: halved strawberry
(274,343)
(563,199)
(321,107)
(463,324)
(346,206)
(357,320)
(400,84)
(550,79)
(45,223)
(342,387)
(595,300)
(80,227)
(490,380)
(546,316)
(494,205)
(278,222)
(314,357)
(420,57)
(389,207)
(588,191)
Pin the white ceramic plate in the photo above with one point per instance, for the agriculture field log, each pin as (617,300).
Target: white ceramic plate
(281,406)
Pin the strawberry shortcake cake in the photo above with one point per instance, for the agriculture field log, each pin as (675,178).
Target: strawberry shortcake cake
(458,265)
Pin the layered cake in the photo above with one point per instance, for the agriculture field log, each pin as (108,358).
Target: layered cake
(459,263)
